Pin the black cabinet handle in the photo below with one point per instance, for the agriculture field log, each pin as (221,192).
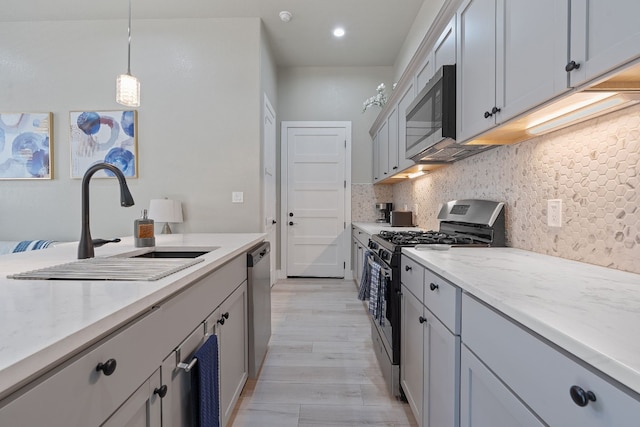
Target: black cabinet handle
(572,65)
(108,367)
(407,268)
(581,397)
(487,114)
(162,391)
(291,222)
(433,286)
(273,221)
(395,167)
(495,110)
(225,315)
(422,319)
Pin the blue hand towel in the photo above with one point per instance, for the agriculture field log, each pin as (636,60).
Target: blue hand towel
(206,387)
(374,297)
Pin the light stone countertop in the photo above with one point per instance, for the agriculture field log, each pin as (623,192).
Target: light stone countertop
(44,322)
(375,227)
(590,311)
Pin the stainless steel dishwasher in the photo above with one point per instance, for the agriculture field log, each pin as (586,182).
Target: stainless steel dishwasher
(259,297)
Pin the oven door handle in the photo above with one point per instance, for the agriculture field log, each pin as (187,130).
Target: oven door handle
(385,271)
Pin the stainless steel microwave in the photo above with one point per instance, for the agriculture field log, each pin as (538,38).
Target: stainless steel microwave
(431,117)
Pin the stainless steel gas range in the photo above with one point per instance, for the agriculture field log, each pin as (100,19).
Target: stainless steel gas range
(462,223)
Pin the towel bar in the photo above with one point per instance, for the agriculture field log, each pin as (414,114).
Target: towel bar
(188,366)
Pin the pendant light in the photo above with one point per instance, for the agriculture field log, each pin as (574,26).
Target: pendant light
(128,86)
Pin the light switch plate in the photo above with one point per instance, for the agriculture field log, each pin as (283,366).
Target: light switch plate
(554,212)
(237,197)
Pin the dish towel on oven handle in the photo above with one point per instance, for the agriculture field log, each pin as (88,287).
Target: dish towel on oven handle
(365,282)
(374,297)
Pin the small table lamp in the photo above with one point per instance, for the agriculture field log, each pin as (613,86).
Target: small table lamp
(165,210)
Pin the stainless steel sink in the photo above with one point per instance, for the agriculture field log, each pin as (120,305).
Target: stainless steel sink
(113,268)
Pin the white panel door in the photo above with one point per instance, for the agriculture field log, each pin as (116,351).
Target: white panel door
(269,169)
(315,209)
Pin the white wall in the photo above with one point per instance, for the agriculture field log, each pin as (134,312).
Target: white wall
(335,94)
(418,30)
(198,123)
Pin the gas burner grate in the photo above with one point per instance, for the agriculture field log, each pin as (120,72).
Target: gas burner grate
(412,238)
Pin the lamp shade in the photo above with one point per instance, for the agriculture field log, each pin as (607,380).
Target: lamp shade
(165,210)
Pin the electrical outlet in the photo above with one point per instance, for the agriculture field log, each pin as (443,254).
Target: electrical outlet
(554,212)
(237,197)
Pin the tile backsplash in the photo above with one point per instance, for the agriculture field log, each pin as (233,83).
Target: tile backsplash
(363,200)
(592,167)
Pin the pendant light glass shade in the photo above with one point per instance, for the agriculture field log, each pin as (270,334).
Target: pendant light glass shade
(128,86)
(128,90)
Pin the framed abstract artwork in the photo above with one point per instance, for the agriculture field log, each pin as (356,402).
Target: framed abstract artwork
(104,137)
(26,145)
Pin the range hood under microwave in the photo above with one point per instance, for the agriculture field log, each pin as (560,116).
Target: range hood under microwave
(431,122)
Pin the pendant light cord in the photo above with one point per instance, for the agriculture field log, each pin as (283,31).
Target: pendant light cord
(129,43)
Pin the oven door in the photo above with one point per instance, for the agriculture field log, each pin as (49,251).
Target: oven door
(382,309)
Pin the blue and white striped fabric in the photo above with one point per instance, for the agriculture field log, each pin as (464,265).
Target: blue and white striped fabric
(374,295)
(365,282)
(24,245)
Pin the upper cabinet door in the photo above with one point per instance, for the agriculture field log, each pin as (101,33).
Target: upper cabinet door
(405,100)
(604,35)
(383,154)
(393,141)
(425,72)
(476,67)
(532,40)
(444,51)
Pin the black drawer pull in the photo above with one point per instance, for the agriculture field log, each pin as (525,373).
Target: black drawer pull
(407,268)
(495,110)
(581,397)
(422,319)
(433,286)
(162,391)
(108,367)
(487,114)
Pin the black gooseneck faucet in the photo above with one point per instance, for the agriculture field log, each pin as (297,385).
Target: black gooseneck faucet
(85,247)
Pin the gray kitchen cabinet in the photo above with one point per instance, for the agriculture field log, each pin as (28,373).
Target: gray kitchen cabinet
(376,158)
(412,352)
(430,353)
(176,405)
(78,393)
(383,153)
(510,58)
(425,72)
(142,408)
(604,36)
(229,323)
(560,389)
(360,244)
(113,382)
(394,152)
(405,100)
(485,401)
(444,51)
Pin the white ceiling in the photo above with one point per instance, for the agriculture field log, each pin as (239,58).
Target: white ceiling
(375,29)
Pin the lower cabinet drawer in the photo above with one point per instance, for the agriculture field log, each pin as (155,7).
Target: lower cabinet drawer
(412,276)
(78,393)
(541,375)
(442,299)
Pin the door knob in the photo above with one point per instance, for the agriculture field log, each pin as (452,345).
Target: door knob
(572,65)
(161,391)
(108,367)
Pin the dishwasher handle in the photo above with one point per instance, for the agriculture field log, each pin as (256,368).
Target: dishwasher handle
(257,253)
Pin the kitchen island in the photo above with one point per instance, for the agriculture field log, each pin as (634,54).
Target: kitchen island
(560,334)
(46,325)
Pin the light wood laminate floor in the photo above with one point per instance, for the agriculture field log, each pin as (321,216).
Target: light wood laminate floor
(320,369)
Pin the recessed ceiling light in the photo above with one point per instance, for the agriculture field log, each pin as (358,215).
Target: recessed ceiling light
(285,16)
(338,32)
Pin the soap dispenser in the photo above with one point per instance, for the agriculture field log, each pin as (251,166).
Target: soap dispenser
(143,232)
